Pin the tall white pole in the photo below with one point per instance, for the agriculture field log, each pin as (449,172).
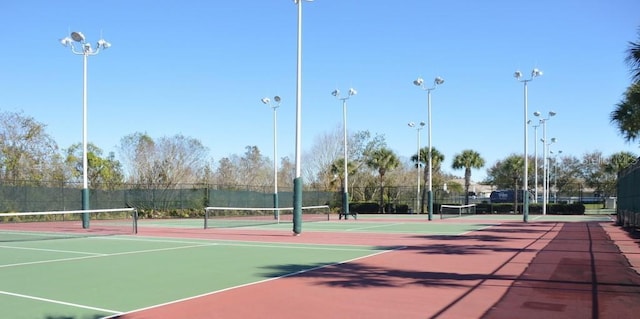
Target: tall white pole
(85,161)
(429,159)
(525,181)
(418,175)
(297,182)
(345,191)
(535,161)
(85,51)
(545,148)
(275,162)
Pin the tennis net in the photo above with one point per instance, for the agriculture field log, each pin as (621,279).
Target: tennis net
(25,226)
(226,217)
(452,211)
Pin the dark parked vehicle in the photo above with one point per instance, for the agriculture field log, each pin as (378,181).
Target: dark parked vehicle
(507,196)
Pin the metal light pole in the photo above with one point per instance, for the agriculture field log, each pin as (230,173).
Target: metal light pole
(419,82)
(267,101)
(345,187)
(85,50)
(545,172)
(525,187)
(418,164)
(535,161)
(555,176)
(545,168)
(297,181)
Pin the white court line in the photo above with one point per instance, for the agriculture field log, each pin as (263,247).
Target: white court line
(253,283)
(376,226)
(52,250)
(222,242)
(104,255)
(59,302)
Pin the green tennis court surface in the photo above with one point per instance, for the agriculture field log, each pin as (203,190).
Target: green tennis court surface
(102,276)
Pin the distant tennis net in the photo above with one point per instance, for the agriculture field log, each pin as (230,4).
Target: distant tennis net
(452,211)
(225,217)
(27,226)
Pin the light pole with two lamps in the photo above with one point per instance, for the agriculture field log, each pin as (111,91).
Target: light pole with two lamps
(535,158)
(545,171)
(525,187)
(274,106)
(345,187)
(555,176)
(85,50)
(418,164)
(545,168)
(419,82)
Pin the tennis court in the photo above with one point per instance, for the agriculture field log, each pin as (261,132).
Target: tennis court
(378,266)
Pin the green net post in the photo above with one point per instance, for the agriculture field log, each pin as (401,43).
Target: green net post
(525,208)
(430,204)
(345,204)
(297,205)
(276,213)
(85,206)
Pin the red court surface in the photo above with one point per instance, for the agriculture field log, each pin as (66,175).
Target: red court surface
(513,270)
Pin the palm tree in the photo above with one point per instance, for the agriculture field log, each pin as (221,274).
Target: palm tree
(633,58)
(468,159)
(436,162)
(627,113)
(382,160)
(337,170)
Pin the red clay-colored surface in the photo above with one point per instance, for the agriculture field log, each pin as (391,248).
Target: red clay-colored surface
(514,270)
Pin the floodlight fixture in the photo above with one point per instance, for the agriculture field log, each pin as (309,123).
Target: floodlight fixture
(536,113)
(265,100)
(552,113)
(66,41)
(418,82)
(276,98)
(352,92)
(411,124)
(78,37)
(536,73)
(336,93)
(517,75)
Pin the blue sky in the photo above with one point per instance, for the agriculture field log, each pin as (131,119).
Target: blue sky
(200,68)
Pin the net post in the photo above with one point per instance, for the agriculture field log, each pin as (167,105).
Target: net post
(206,217)
(85,206)
(297,205)
(430,203)
(135,220)
(276,213)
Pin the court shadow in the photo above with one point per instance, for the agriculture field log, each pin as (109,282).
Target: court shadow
(452,249)
(358,275)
